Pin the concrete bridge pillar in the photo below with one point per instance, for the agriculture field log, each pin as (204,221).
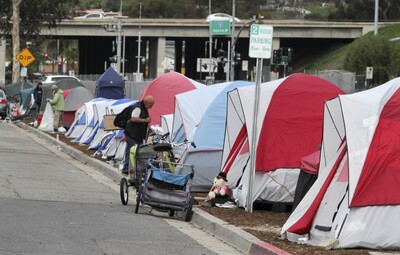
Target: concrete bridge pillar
(156,57)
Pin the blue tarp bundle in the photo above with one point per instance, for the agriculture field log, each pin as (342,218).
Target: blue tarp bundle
(167,177)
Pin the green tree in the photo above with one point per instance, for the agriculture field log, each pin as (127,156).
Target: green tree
(375,51)
(34,13)
(365,10)
(112,5)
(70,53)
(163,9)
(193,9)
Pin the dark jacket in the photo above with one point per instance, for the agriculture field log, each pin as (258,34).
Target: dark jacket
(138,131)
(37,95)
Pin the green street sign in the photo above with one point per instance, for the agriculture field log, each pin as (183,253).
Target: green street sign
(220,27)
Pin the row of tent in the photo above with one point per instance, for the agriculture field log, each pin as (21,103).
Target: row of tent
(217,120)
(355,196)
(109,85)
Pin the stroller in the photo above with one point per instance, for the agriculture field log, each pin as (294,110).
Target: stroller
(139,156)
(166,191)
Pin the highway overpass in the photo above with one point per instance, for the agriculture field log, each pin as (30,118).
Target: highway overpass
(190,41)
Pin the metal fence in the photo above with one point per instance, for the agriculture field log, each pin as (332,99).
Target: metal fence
(348,81)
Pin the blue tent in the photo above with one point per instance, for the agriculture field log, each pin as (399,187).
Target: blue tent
(110,85)
(208,138)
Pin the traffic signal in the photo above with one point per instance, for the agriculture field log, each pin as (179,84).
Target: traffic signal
(46,55)
(276,57)
(274,68)
(288,53)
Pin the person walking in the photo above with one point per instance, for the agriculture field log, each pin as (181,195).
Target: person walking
(136,128)
(57,102)
(37,95)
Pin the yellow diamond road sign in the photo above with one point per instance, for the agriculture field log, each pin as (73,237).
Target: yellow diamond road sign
(25,57)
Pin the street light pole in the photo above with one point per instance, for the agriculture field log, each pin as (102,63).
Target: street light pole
(139,42)
(376,17)
(119,45)
(232,55)
(119,35)
(210,42)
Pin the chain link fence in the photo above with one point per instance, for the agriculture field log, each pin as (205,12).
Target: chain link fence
(348,81)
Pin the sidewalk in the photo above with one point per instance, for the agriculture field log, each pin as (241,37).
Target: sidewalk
(243,241)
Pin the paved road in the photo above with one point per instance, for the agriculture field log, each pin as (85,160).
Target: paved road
(52,204)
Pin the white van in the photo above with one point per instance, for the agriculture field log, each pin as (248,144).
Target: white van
(51,79)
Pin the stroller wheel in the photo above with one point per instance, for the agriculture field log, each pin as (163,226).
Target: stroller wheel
(138,200)
(188,215)
(171,213)
(124,191)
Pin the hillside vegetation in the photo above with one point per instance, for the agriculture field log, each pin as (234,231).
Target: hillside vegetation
(340,59)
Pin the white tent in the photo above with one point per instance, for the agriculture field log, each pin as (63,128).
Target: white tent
(88,115)
(78,124)
(115,147)
(355,199)
(189,109)
(115,108)
(203,126)
(166,124)
(99,110)
(83,118)
(289,127)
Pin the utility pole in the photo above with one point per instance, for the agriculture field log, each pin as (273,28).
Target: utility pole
(232,55)
(376,17)
(139,42)
(119,17)
(119,36)
(210,42)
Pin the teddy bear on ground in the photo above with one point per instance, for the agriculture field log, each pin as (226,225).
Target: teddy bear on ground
(220,187)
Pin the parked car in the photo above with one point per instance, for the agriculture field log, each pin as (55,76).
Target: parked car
(92,15)
(3,104)
(51,79)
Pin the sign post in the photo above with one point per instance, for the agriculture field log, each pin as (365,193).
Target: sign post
(260,47)
(369,75)
(25,57)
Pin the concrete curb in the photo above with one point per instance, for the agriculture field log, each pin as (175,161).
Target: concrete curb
(236,237)
(243,241)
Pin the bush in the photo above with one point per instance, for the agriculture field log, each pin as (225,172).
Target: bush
(375,51)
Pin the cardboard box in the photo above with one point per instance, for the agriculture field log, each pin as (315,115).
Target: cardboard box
(109,123)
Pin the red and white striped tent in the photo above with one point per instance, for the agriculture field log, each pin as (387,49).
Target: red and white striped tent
(289,128)
(356,198)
